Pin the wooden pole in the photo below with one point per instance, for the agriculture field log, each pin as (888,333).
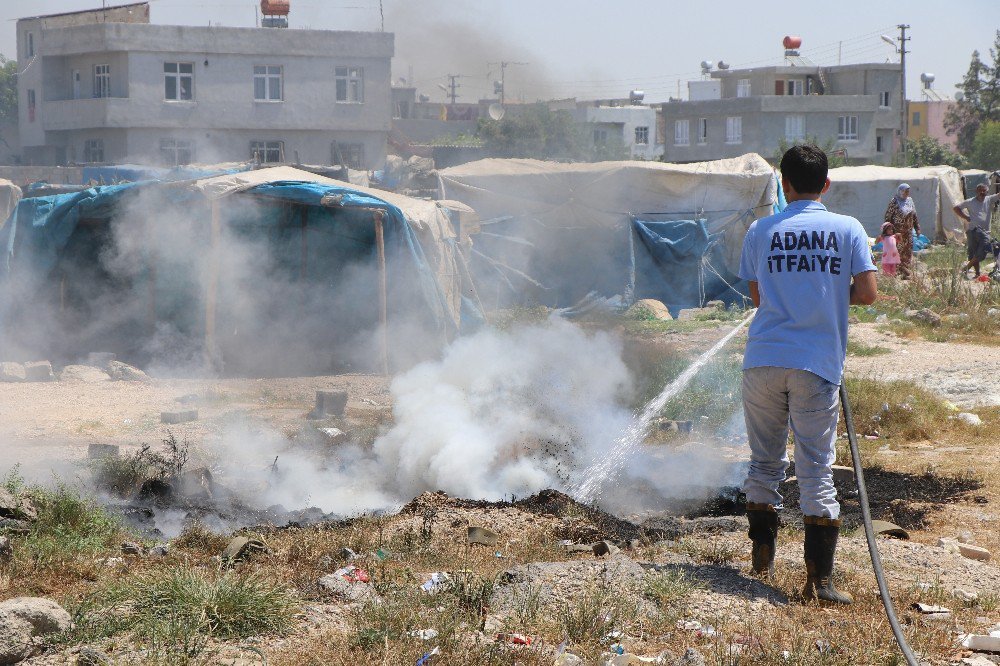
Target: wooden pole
(212,288)
(151,279)
(382,297)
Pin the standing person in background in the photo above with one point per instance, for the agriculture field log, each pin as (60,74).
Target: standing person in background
(890,253)
(976,213)
(805,266)
(903,216)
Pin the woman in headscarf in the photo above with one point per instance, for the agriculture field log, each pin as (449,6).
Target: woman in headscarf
(902,214)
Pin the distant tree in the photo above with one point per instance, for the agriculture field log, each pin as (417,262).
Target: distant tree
(834,157)
(928,151)
(986,147)
(980,103)
(8,90)
(539,133)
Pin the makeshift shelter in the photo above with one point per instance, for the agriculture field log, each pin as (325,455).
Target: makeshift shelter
(555,233)
(270,271)
(10,194)
(864,192)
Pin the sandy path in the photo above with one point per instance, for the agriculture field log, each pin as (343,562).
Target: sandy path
(965,374)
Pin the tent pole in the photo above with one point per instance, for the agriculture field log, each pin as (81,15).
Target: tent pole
(151,277)
(213,285)
(304,266)
(382,298)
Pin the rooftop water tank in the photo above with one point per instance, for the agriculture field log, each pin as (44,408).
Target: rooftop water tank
(274,7)
(792,41)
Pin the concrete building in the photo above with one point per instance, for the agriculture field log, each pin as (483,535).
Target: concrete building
(108,86)
(633,125)
(926,118)
(752,110)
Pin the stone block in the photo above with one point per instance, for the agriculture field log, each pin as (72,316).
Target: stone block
(38,371)
(123,372)
(96,450)
(83,374)
(973,552)
(11,372)
(330,403)
(181,416)
(333,435)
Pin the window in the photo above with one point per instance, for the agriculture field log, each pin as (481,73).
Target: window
(600,136)
(350,83)
(743,88)
(174,152)
(30,43)
(847,128)
(267,83)
(642,135)
(31,106)
(267,151)
(703,130)
(682,133)
(734,129)
(794,86)
(879,144)
(916,119)
(349,154)
(795,127)
(93,150)
(178,81)
(102,80)
(883,99)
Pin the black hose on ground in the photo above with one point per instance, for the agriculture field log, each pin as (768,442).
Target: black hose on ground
(866,517)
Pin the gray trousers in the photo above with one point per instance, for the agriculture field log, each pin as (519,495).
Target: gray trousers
(773,399)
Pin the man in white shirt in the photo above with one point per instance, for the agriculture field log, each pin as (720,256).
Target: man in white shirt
(976,213)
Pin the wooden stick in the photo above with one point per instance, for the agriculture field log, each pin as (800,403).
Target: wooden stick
(382,297)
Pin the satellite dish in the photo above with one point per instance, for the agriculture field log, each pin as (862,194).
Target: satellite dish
(707,64)
(723,64)
(496,111)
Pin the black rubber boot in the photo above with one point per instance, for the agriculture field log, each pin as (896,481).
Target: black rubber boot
(764,534)
(820,545)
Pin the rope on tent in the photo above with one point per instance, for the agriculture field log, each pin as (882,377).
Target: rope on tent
(705,212)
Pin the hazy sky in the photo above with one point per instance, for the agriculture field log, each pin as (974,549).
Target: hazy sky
(592,49)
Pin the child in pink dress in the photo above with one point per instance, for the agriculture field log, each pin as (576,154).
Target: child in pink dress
(890,253)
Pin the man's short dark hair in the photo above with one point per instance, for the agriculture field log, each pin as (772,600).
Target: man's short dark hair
(806,168)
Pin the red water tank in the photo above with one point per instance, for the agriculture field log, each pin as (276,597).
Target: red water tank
(274,7)
(790,41)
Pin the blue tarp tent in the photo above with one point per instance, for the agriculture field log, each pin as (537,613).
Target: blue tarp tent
(118,264)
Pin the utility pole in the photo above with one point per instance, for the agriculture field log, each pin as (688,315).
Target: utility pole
(453,86)
(503,68)
(903,115)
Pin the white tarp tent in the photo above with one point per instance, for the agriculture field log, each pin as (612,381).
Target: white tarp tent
(570,214)
(864,192)
(10,194)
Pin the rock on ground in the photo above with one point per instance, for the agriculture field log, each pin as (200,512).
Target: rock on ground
(17,508)
(653,307)
(11,372)
(347,590)
(24,619)
(85,374)
(123,372)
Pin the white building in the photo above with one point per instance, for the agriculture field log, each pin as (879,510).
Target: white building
(633,125)
(106,86)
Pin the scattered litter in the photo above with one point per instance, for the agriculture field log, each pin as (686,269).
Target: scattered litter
(424,634)
(689,625)
(823,646)
(427,657)
(970,418)
(482,536)
(382,554)
(333,435)
(240,548)
(568,659)
(981,643)
(436,582)
(353,574)
(514,639)
(932,612)
(348,554)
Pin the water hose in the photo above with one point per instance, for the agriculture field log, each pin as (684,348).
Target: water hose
(866,517)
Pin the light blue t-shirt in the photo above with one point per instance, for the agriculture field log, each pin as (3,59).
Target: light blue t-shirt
(802,260)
